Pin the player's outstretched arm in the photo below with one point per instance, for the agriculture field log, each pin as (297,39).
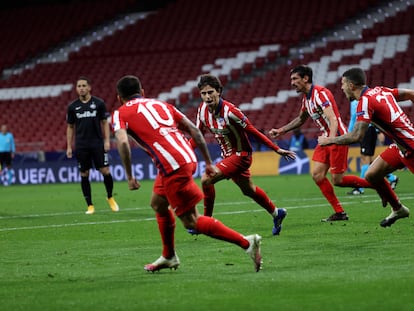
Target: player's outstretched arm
(405,94)
(287,154)
(295,123)
(355,136)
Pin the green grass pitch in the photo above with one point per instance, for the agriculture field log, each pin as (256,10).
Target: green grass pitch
(54,257)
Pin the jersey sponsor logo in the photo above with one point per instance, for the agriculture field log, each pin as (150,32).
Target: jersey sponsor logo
(220,132)
(164,131)
(86,114)
(315,116)
(317,113)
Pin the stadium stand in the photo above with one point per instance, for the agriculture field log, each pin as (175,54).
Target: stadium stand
(250,49)
(33,29)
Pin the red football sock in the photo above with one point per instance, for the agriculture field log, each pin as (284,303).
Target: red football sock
(261,198)
(209,197)
(386,193)
(354,182)
(166,226)
(328,192)
(215,229)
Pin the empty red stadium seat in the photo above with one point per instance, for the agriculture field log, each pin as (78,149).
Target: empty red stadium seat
(169,48)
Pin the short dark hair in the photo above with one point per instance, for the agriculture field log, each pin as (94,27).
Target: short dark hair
(356,75)
(302,71)
(84,78)
(212,81)
(128,86)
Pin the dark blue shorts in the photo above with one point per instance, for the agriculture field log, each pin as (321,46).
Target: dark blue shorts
(369,142)
(5,159)
(91,157)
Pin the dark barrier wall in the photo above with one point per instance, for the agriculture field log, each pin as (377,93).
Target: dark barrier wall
(56,168)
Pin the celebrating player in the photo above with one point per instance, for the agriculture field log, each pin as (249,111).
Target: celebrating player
(319,104)
(158,128)
(231,128)
(378,106)
(367,149)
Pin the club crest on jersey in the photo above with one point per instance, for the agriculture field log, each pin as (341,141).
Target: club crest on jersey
(93,106)
(221,122)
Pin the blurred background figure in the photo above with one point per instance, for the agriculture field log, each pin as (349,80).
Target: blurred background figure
(7,150)
(298,141)
(87,123)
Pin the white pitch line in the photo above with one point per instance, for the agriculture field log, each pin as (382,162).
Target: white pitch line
(153,218)
(76,224)
(127,209)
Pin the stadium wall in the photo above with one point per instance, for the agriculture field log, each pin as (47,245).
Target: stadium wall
(269,163)
(56,168)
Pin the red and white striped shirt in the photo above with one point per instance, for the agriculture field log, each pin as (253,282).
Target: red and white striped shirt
(379,106)
(153,124)
(230,128)
(315,102)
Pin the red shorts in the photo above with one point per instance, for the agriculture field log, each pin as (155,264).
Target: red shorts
(179,188)
(336,156)
(235,166)
(394,157)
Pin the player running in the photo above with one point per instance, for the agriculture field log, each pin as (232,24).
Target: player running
(319,104)
(379,106)
(158,128)
(231,129)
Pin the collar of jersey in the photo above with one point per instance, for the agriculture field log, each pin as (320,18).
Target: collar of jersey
(218,108)
(309,94)
(134,96)
(364,90)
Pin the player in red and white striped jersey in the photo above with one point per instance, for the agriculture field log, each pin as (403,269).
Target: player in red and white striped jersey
(379,106)
(319,104)
(158,128)
(231,128)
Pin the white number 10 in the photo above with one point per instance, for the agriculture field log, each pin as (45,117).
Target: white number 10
(151,114)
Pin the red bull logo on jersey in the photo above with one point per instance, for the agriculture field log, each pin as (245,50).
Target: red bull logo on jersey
(86,114)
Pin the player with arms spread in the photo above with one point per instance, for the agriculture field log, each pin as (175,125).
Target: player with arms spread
(379,106)
(319,104)
(159,129)
(231,128)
